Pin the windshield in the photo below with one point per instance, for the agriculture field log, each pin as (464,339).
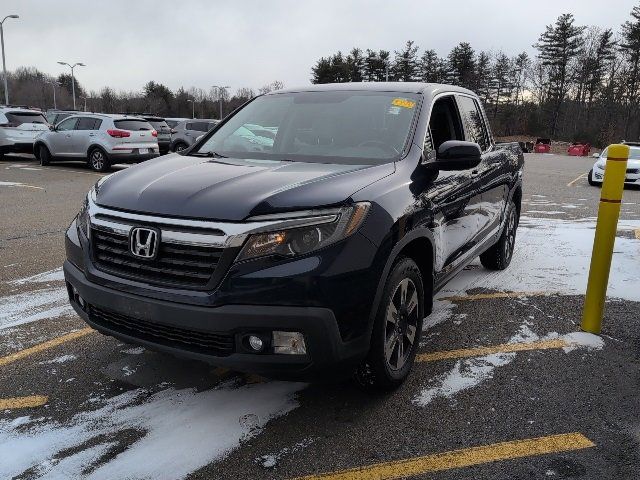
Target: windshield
(358,127)
(634,153)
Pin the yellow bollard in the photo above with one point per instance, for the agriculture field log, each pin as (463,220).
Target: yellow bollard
(608,214)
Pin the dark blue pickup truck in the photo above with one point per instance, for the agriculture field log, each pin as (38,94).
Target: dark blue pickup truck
(306,233)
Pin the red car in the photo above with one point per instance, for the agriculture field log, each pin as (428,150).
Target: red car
(579,149)
(543,145)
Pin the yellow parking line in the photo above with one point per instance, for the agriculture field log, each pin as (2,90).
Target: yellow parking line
(462,458)
(41,347)
(482,296)
(580,177)
(482,351)
(637,233)
(23,402)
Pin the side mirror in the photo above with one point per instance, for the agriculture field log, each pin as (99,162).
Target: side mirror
(596,155)
(199,138)
(458,155)
(52,128)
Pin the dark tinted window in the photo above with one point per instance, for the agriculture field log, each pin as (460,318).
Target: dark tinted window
(68,124)
(133,125)
(160,125)
(473,122)
(61,116)
(198,126)
(18,118)
(444,125)
(88,124)
(172,123)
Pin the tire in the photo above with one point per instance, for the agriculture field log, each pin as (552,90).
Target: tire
(395,340)
(591,181)
(180,146)
(98,160)
(44,155)
(498,257)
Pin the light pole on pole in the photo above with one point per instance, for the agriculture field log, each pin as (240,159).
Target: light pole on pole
(193,107)
(53,85)
(220,91)
(4,64)
(73,79)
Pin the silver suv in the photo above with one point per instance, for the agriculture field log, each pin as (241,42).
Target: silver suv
(185,133)
(102,140)
(18,129)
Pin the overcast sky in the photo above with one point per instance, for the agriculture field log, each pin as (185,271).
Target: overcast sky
(251,42)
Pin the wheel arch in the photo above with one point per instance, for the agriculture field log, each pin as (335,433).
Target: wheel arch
(419,246)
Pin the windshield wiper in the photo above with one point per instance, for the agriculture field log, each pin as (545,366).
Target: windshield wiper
(207,154)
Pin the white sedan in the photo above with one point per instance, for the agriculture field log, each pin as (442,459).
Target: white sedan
(596,174)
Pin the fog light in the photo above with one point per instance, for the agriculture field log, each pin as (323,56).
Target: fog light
(256,343)
(81,302)
(289,343)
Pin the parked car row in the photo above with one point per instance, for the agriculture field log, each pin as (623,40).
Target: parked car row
(97,138)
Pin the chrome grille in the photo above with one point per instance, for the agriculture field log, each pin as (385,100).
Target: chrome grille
(211,343)
(187,266)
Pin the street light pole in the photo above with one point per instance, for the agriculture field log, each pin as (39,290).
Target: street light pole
(53,85)
(73,79)
(4,64)
(193,107)
(220,92)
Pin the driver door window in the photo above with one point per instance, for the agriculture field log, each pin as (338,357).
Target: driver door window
(66,125)
(444,125)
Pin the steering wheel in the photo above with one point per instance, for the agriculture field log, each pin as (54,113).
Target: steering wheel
(380,145)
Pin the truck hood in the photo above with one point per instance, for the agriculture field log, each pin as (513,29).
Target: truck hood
(232,189)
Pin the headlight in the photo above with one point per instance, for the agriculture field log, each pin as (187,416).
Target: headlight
(300,240)
(82,219)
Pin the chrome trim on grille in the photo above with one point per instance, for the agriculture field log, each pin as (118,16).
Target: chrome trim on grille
(232,234)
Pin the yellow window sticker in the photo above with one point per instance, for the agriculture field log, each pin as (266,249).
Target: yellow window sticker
(403,102)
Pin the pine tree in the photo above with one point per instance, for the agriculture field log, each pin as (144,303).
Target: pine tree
(461,65)
(558,46)
(482,77)
(355,65)
(322,71)
(431,68)
(630,48)
(405,65)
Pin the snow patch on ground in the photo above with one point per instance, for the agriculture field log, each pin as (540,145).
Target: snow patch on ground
(182,430)
(134,351)
(553,255)
(272,459)
(61,359)
(470,373)
(48,302)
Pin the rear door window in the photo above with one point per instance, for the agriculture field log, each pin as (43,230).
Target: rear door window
(133,125)
(198,126)
(18,118)
(87,123)
(474,126)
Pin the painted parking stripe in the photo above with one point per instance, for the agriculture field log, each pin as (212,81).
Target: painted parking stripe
(41,347)
(484,296)
(482,351)
(579,178)
(637,233)
(23,402)
(462,458)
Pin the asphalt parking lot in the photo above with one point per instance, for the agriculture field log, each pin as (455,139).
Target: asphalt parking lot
(506,387)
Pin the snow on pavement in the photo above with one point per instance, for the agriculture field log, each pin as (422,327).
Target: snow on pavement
(181,431)
(48,299)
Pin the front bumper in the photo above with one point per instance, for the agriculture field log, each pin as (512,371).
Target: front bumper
(630,178)
(326,351)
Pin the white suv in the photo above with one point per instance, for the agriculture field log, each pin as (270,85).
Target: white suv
(18,129)
(100,139)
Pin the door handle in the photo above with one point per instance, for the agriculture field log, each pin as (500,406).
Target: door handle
(475,173)
(92,134)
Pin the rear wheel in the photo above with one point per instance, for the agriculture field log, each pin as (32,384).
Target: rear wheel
(498,257)
(180,146)
(44,155)
(98,160)
(396,330)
